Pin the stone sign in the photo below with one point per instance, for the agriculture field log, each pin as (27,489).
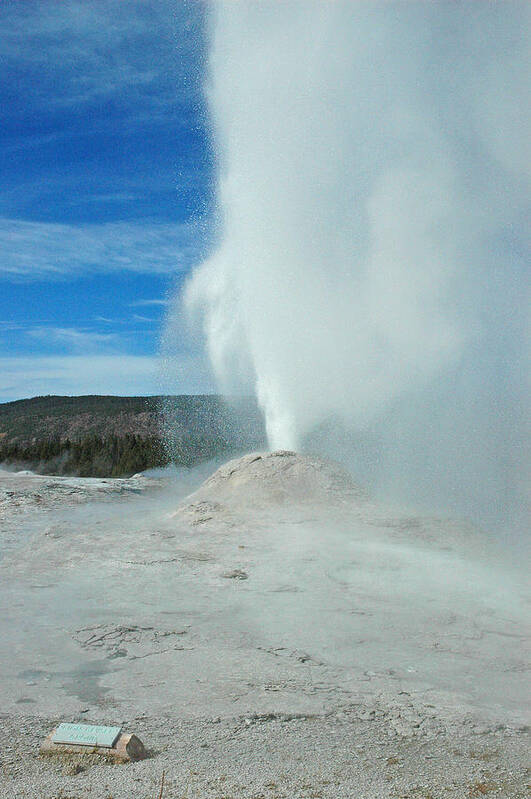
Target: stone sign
(86,735)
(93,740)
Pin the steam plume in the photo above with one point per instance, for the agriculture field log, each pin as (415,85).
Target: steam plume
(367,280)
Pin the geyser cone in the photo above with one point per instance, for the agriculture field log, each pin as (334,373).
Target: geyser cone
(280,477)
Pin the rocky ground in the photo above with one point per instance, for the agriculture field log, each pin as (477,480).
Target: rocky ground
(274,634)
(353,753)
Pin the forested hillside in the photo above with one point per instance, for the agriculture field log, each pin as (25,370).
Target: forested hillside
(114,436)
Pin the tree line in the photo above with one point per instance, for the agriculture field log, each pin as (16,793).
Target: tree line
(111,455)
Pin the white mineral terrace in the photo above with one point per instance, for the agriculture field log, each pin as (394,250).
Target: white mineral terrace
(277,590)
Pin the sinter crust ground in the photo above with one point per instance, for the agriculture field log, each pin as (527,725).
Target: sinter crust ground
(275,634)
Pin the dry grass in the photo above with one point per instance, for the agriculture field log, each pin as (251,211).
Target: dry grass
(485,756)
(481,788)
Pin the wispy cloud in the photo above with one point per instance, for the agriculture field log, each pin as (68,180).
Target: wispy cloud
(6,325)
(110,197)
(32,250)
(77,374)
(140,318)
(100,50)
(98,374)
(147,303)
(108,321)
(74,339)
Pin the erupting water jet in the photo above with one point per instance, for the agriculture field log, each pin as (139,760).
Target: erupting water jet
(365,281)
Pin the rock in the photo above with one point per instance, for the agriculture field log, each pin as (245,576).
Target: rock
(236,574)
(402,728)
(73,768)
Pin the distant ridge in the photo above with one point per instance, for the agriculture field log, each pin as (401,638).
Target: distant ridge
(98,435)
(74,417)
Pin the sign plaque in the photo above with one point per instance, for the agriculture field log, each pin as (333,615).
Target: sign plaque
(86,735)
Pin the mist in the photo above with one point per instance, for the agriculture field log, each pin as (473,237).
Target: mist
(367,280)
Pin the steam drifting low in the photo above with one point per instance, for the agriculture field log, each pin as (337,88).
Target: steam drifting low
(368,274)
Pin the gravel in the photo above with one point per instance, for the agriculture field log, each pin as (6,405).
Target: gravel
(326,757)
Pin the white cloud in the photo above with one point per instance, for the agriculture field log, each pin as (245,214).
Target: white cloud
(42,249)
(142,303)
(110,197)
(84,42)
(139,318)
(74,339)
(108,321)
(125,375)
(6,326)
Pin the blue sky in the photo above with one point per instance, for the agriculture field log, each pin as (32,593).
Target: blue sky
(106,192)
